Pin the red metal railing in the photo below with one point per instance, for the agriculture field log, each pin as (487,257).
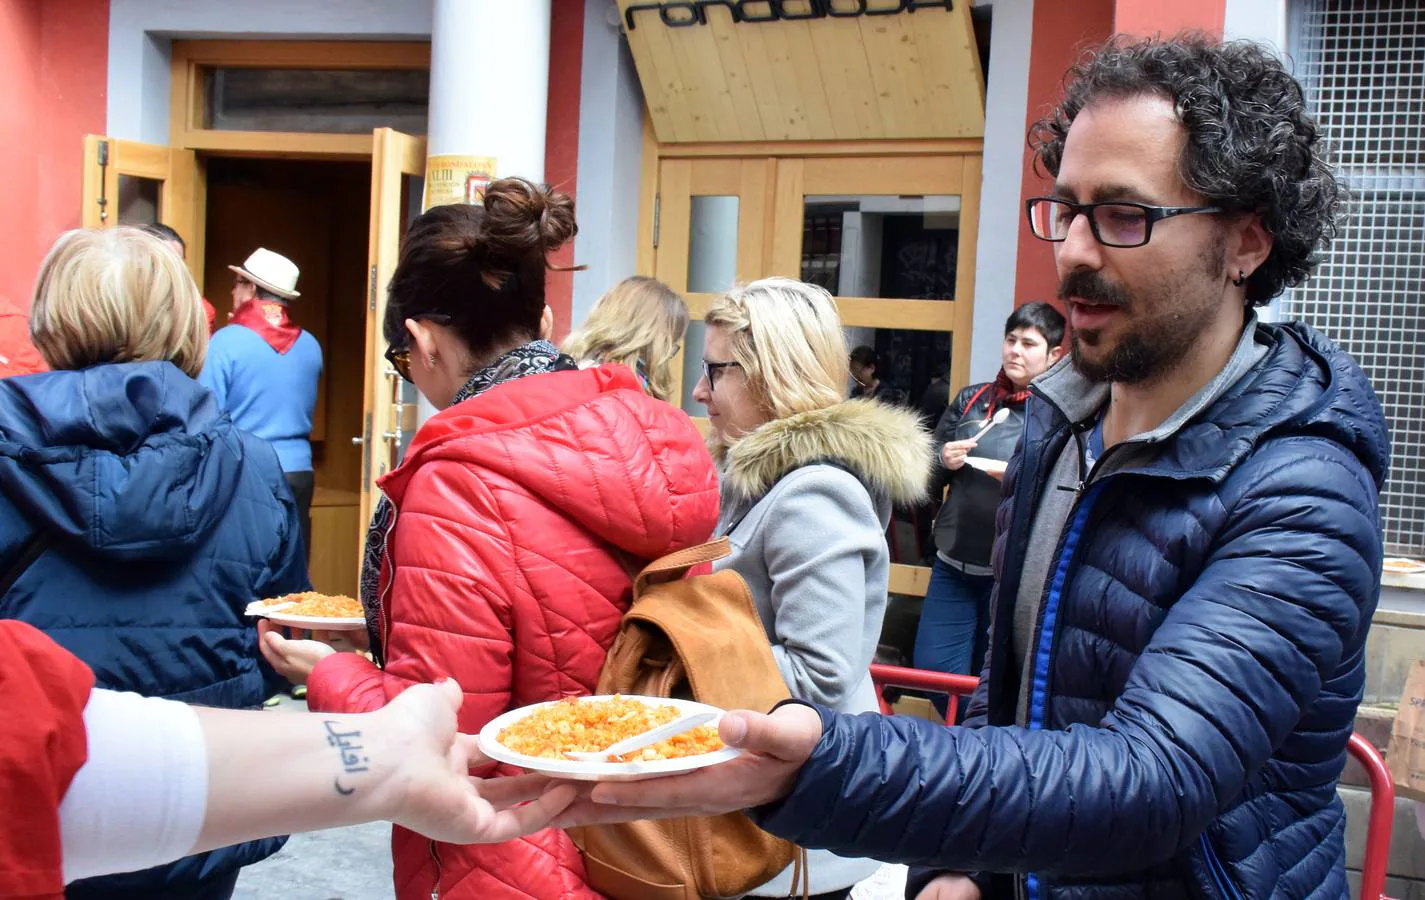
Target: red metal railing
(1377,855)
(1378,827)
(922,680)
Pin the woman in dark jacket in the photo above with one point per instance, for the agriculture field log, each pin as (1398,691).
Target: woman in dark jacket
(136,523)
(954,622)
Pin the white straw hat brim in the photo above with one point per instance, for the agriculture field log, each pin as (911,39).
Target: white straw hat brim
(265,285)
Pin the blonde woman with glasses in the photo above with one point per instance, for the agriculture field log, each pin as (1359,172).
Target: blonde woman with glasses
(807,480)
(639,322)
(136,523)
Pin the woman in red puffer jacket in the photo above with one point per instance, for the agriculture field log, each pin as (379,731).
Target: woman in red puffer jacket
(494,557)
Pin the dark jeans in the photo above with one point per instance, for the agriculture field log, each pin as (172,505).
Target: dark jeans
(302,485)
(954,624)
(219,887)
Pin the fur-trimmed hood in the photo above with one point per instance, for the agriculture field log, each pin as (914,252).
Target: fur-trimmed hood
(886,445)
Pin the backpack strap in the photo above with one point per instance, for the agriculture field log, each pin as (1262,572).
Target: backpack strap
(32,550)
(672,566)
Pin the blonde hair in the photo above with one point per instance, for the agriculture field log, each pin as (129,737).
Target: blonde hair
(786,337)
(638,318)
(117,295)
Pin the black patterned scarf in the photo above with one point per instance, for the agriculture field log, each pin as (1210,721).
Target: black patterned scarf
(534,358)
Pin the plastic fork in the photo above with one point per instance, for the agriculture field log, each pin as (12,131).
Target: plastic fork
(998,418)
(639,741)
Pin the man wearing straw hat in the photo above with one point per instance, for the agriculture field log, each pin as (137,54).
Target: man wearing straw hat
(264,370)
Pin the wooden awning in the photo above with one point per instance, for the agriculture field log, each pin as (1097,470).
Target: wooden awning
(771,70)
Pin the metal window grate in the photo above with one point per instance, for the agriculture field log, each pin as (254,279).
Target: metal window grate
(1362,63)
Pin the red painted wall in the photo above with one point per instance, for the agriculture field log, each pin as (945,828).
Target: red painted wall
(1167,17)
(54,60)
(561,143)
(19,70)
(1062,30)
(74,76)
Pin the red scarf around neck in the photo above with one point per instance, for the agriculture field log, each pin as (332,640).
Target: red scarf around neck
(270,321)
(1004,393)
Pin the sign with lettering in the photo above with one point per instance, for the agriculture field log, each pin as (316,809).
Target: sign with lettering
(457,179)
(685,13)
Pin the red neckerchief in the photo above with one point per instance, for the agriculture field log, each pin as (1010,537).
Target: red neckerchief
(1004,393)
(270,321)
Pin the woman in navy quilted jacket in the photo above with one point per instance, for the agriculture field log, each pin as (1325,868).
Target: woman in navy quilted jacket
(136,522)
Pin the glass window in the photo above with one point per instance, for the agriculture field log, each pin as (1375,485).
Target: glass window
(882,246)
(908,362)
(712,244)
(693,367)
(712,268)
(138,200)
(1363,69)
(316,100)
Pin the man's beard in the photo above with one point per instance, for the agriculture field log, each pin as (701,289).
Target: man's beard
(1150,347)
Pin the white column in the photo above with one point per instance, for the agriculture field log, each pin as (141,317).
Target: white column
(489,82)
(489,88)
(997,251)
(610,157)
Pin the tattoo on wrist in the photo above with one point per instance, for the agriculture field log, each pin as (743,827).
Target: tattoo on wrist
(348,746)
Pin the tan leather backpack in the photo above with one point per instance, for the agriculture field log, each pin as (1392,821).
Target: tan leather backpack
(698,638)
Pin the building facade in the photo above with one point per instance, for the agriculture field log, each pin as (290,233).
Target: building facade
(880,154)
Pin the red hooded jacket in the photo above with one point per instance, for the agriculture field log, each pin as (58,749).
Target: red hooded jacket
(17,355)
(500,572)
(43,691)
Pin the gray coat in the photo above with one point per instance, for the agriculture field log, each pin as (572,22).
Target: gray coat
(810,541)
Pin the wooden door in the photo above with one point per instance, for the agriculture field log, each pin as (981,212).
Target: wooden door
(889,233)
(893,239)
(397,177)
(712,230)
(129,183)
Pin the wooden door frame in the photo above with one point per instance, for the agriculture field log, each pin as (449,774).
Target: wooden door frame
(182,196)
(394,156)
(772,181)
(191,59)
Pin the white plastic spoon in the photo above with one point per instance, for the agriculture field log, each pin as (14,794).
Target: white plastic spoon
(998,418)
(639,741)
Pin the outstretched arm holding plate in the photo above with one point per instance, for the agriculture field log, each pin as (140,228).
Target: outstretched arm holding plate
(107,782)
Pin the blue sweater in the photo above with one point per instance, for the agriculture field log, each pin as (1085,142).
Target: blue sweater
(164,521)
(267,393)
(1201,658)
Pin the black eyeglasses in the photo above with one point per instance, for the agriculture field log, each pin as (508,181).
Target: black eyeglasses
(400,357)
(1117,224)
(710,370)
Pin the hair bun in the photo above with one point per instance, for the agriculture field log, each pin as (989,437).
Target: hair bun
(523,219)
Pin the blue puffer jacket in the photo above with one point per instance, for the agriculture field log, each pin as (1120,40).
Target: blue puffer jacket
(165,522)
(1199,663)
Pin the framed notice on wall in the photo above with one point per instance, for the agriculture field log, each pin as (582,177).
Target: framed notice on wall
(457,179)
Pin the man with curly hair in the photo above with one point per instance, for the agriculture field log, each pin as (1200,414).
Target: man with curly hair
(1188,550)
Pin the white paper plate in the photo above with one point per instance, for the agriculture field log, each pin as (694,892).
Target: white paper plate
(986,465)
(601,771)
(1399,565)
(275,613)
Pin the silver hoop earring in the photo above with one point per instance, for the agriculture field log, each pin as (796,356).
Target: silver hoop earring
(1240,280)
